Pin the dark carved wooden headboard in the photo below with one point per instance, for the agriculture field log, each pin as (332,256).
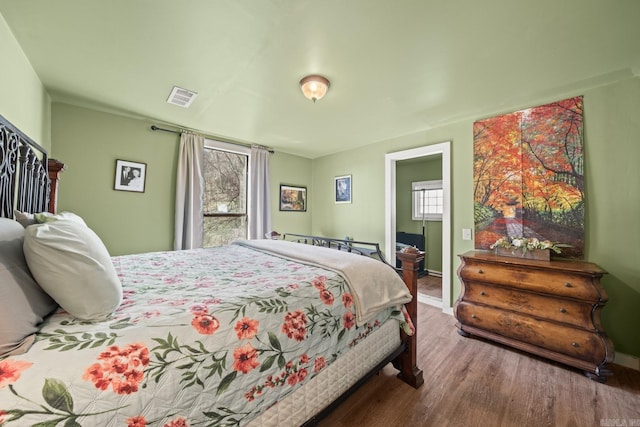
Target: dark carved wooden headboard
(24,178)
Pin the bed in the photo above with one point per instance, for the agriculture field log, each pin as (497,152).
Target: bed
(258,333)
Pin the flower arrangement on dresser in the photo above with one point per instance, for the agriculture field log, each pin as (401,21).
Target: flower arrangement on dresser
(527,247)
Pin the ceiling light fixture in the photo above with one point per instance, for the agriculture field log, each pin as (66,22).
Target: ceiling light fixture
(314,87)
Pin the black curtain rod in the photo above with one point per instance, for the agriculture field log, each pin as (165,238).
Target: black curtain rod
(154,127)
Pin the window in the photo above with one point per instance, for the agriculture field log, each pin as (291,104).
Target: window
(428,200)
(225,193)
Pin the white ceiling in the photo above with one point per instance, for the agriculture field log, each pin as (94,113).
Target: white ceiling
(396,67)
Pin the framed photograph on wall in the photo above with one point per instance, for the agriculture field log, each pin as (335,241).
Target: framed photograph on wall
(293,198)
(342,188)
(130,176)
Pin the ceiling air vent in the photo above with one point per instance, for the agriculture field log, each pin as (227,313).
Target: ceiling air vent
(181,97)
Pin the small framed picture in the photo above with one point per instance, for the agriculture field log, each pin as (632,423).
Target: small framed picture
(130,176)
(293,198)
(342,189)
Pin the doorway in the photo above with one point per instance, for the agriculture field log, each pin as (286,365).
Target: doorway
(436,150)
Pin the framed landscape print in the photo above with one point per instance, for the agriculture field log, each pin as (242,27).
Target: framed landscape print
(293,198)
(342,188)
(130,176)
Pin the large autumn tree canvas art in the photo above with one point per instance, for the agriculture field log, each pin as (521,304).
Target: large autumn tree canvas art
(529,176)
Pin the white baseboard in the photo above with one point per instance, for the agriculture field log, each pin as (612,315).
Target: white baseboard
(435,302)
(426,299)
(628,361)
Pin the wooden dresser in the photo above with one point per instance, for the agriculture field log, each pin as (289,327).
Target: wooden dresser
(548,308)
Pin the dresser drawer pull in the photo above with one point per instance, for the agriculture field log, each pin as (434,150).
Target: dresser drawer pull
(482,293)
(575,344)
(563,310)
(473,316)
(480,271)
(568,285)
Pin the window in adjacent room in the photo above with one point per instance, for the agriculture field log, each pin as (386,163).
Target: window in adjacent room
(225,193)
(427,200)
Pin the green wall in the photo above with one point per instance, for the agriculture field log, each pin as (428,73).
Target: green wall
(23,99)
(89,142)
(612,128)
(408,171)
(612,184)
(290,170)
(363,218)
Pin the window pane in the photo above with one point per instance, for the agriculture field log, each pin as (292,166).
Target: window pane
(428,200)
(219,231)
(225,182)
(225,192)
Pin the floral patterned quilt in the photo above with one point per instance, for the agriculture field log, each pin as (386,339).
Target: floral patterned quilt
(206,337)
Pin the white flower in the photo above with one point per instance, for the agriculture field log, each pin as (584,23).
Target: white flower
(533,243)
(500,242)
(528,244)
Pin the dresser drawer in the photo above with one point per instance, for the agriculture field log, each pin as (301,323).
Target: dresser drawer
(576,343)
(570,285)
(567,311)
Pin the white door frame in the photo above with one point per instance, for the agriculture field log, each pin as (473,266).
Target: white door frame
(390,208)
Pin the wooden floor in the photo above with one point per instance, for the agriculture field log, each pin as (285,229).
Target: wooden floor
(470,382)
(430,285)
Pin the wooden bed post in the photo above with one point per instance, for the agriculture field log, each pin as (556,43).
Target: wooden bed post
(55,169)
(407,361)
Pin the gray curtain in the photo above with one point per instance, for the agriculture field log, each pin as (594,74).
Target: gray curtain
(259,201)
(189,191)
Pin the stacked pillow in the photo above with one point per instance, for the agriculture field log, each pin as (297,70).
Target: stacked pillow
(69,262)
(27,219)
(23,304)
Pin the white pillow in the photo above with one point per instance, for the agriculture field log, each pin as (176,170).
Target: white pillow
(26,219)
(70,262)
(44,217)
